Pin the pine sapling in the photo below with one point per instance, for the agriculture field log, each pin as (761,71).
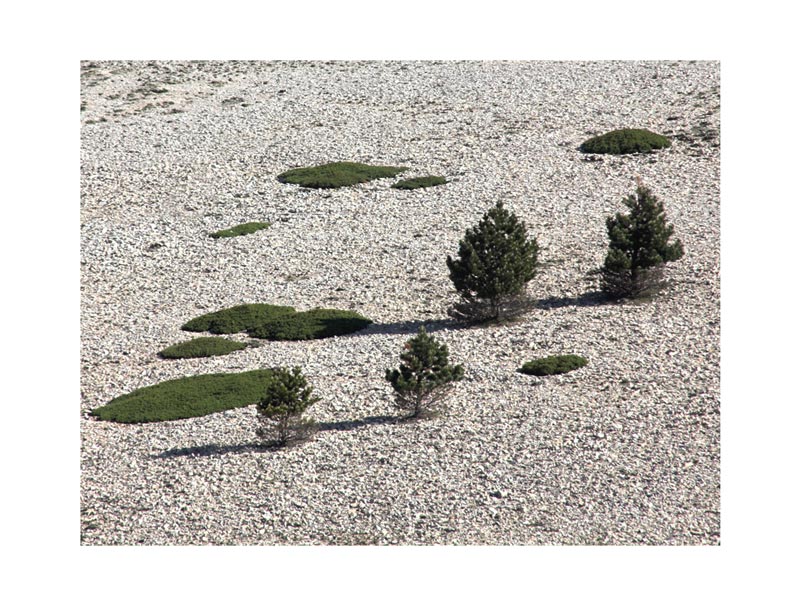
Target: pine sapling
(496,260)
(280,413)
(424,378)
(639,247)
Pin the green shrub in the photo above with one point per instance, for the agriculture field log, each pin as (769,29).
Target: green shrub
(241,318)
(313,324)
(202,347)
(425,377)
(280,411)
(419,182)
(338,174)
(242,229)
(625,141)
(639,247)
(495,262)
(186,397)
(553,365)
(279,323)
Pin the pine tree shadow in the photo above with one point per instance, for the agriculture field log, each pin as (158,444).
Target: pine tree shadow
(588,299)
(210,450)
(358,423)
(411,327)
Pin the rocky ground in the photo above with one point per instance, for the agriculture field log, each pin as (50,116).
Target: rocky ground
(623,451)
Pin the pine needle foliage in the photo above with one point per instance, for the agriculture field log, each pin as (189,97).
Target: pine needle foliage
(496,260)
(639,247)
(425,376)
(280,412)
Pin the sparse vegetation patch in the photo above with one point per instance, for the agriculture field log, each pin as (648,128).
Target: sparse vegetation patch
(242,229)
(241,318)
(313,324)
(186,397)
(420,182)
(553,365)
(625,141)
(279,323)
(338,174)
(202,347)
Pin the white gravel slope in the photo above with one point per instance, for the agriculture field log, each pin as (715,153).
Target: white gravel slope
(623,451)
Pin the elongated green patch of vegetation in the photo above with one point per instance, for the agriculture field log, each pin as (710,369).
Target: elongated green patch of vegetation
(279,323)
(186,397)
(625,141)
(419,182)
(242,229)
(338,174)
(553,365)
(202,347)
(313,324)
(241,318)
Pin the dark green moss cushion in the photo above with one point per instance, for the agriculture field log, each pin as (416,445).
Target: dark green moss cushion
(236,319)
(553,365)
(202,347)
(420,182)
(338,174)
(278,323)
(312,324)
(242,229)
(625,141)
(186,397)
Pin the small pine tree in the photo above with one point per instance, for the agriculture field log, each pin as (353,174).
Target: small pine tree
(280,413)
(639,247)
(495,262)
(425,377)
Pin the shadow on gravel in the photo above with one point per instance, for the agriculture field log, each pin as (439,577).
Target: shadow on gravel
(349,425)
(209,450)
(411,327)
(589,299)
